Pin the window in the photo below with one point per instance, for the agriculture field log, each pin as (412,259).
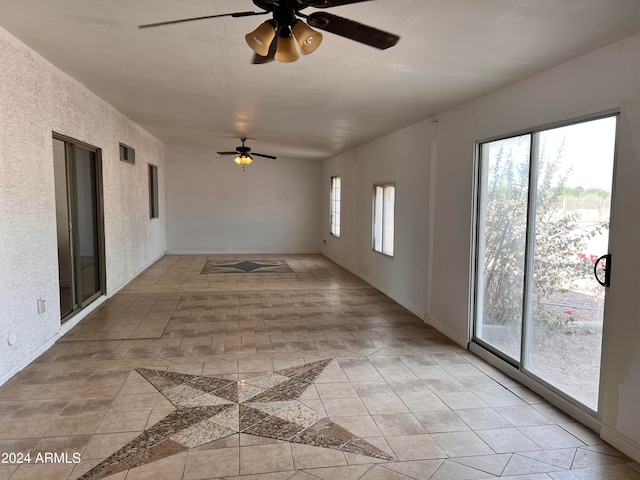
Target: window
(384,200)
(334,206)
(127,154)
(153,191)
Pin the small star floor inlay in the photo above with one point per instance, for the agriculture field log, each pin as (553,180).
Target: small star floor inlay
(210,408)
(246,266)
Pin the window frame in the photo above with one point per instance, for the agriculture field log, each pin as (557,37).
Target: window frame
(383,219)
(154,206)
(127,154)
(335,227)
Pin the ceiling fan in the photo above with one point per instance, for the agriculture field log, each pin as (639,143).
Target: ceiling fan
(276,38)
(244,158)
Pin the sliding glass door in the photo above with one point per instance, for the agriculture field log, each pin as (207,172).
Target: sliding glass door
(541,262)
(79,222)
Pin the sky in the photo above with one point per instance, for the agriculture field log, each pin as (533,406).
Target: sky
(589,149)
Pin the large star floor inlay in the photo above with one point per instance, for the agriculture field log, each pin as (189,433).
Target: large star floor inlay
(210,408)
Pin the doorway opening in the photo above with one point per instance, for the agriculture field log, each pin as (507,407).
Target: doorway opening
(542,263)
(79,220)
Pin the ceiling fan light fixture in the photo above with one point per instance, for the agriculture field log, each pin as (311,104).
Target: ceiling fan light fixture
(244,159)
(260,39)
(308,38)
(286,51)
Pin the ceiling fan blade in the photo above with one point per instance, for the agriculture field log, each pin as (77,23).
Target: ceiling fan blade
(227,153)
(263,155)
(353,30)
(331,3)
(171,22)
(270,57)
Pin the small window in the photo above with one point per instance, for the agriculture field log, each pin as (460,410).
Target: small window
(334,206)
(127,154)
(384,199)
(153,191)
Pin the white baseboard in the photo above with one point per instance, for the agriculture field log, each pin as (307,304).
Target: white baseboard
(67,326)
(239,252)
(401,301)
(64,328)
(29,359)
(442,328)
(412,308)
(621,442)
(338,261)
(115,290)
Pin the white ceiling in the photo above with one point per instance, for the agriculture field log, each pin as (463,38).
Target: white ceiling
(194,84)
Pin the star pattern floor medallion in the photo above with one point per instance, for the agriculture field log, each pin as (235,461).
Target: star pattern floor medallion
(245,266)
(210,408)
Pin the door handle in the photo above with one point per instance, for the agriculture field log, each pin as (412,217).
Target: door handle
(606,270)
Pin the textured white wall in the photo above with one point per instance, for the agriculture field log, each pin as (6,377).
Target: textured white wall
(401,158)
(606,79)
(213,206)
(36,99)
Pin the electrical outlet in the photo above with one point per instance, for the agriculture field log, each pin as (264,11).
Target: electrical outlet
(42,306)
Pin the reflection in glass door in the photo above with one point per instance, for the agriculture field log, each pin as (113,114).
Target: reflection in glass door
(502,239)
(77,173)
(543,222)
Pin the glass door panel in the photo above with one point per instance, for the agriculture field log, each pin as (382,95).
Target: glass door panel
(573,201)
(502,217)
(63,224)
(87,223)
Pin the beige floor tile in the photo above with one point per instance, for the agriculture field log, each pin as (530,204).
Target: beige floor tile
(378,472)
(450,470)
(102,445)
(551,437)
(482,418)
(170,468)
(519,465)
(123,422)
(6,471)
(462,444)
(562,458)
(503,440)
(220,462)
(462,400)
(491,464)
(441,421)
(523,415)
(306,456)
(419,469)
(131,402)
(16,428)
(399,424)
(344,407)
(385,405)
(617,472)
(353,472)
(265,458)
(43,471)
(415,447)
(335,390)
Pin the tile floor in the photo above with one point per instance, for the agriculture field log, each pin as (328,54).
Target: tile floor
(306,375)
